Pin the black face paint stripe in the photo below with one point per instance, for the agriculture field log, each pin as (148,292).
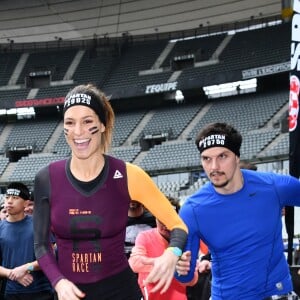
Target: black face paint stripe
(93,130)
(66,131)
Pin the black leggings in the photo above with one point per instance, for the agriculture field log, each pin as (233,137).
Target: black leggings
(122,286)
(47,295)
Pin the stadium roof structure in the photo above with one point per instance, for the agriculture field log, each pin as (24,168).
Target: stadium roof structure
(33,21)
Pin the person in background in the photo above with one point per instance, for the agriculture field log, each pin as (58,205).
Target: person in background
(238,215)
(248,166)
(19,268)
(84,202)
(30,205)
(139,219)
(3,216)
(149,245)
(3,211)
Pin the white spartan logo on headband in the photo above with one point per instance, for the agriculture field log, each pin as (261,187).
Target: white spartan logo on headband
(13,192)
(212,140)
(78,99)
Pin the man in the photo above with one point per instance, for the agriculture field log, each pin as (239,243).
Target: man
(24,280)
(238,215)
(139,219)
(30,205)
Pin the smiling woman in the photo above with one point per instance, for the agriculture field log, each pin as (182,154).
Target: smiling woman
(84,201)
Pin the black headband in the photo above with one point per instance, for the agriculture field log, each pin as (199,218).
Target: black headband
(19,193)
(86,100)
(218,140)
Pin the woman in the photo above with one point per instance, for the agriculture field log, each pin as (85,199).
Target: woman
(84,202)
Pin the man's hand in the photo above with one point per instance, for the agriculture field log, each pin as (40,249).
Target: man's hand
(26,280)
(18,272)
(184,263)
(163,272)
(204,266)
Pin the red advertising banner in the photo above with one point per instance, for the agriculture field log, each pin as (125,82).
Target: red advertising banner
(39,102)
(294,120)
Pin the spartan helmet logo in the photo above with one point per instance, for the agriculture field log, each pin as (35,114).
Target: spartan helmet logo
(293,102)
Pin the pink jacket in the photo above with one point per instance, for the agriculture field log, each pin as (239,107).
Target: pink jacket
(150,244)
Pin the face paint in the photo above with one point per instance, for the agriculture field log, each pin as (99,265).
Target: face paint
(66,131)
(93,130)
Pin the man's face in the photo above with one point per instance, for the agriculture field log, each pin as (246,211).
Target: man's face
(14,205)
(29,207)
(220,165)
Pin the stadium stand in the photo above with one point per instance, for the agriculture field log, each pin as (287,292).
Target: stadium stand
(17,94)
(130,66)
(245,50)
(169,122)
(8,62)
(253,50)
(281,148)
(133,58)
(125,124)
(26,168)
(171,156)
(57,62)
(4,161)
(94,66)
(53,91)
(128,153)
(30,133)
(201,49)
(61,146)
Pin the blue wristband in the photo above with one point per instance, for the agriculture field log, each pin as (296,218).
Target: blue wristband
(177,251)
(30,268)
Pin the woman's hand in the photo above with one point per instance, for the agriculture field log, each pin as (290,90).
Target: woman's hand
(67,290)
(163,271)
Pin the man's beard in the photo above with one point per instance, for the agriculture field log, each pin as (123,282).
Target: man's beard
(220,185)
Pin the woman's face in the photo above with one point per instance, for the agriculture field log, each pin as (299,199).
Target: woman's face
(83,131)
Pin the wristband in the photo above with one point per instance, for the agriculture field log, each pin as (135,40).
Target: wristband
(206,257)
(30,268)
(175,250)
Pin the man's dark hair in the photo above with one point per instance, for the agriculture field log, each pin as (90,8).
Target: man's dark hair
(174,202)
(14,187)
